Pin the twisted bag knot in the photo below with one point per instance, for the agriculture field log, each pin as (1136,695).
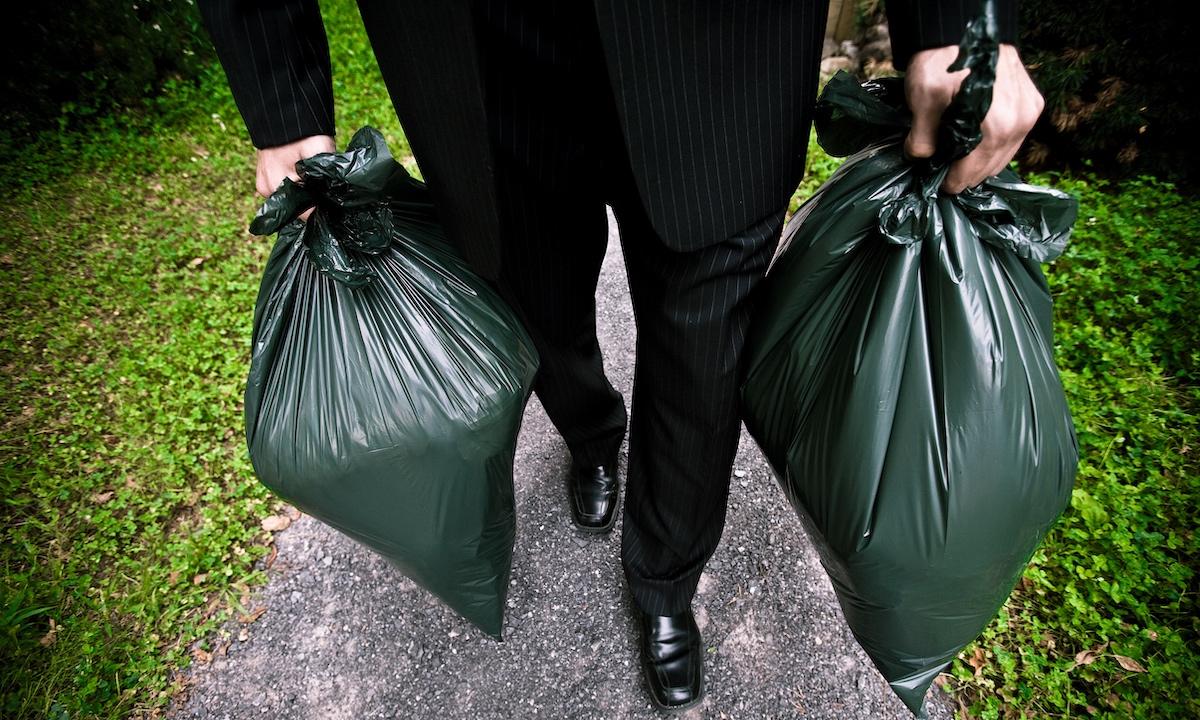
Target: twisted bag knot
(351,193)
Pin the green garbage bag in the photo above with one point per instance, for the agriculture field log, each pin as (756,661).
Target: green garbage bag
(901,380)
(387,380)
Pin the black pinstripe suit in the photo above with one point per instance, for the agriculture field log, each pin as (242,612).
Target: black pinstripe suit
(690,119)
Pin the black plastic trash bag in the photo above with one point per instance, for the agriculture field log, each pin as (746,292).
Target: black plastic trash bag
(387,380)
(901,379)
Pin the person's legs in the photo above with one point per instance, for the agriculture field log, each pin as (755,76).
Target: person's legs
(547,97)
(693,311)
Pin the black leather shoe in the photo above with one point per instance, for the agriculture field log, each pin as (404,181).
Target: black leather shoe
(593,495)
(673,660)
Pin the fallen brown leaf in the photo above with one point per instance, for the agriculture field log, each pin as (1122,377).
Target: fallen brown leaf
(978,660)
(275,523)
(256,613)
(963,711)
(1087,657)
(199,578)
(1130,664)
(211,608)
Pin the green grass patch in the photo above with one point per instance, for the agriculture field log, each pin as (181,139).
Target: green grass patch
(130,513)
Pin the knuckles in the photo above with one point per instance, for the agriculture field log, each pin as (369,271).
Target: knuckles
(1035,110)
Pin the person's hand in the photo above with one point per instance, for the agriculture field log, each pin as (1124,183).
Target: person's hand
(1016,105)
(279,162)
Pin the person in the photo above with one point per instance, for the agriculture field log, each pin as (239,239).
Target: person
(691,120)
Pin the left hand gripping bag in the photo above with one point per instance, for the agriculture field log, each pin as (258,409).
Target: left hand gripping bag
(387,380)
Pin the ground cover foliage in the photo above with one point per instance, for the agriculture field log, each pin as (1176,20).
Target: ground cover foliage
(131,521)
(1104,622)
(132,525)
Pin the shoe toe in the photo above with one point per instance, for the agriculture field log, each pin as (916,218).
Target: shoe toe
(672,656)
(593,496)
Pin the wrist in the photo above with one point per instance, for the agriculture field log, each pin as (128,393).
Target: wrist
(302,147)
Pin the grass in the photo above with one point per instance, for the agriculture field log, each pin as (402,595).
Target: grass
(1117,575)
(130,515)
(131,521)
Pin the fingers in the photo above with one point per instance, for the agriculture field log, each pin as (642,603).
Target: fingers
(1003,134)
(999,166)
(1016,106)
(279,162)
(922,138)
(929,88)
(1001,140)
(270,175)
(262,185)
(968,171)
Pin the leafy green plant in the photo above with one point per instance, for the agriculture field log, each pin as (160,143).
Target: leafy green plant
(130,523)
(70,66)
(1104,622)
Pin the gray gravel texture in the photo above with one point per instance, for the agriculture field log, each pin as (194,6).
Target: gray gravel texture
(346,636)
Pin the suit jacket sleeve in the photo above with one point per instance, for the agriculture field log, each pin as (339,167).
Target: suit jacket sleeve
(276,57)
(917,25)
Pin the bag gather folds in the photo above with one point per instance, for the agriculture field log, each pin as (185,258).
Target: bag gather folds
(388,380)
(900,376)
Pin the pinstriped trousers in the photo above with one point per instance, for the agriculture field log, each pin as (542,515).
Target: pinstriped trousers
(560,157)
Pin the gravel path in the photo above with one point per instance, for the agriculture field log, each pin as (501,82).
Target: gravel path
(345,636)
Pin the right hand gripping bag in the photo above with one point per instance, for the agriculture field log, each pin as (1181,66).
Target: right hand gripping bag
(901,379)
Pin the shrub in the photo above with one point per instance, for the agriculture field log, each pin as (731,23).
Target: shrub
(87,57)
(1115,74)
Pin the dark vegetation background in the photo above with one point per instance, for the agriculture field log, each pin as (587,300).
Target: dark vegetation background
(131,525)
(64,64)
(1117,76)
